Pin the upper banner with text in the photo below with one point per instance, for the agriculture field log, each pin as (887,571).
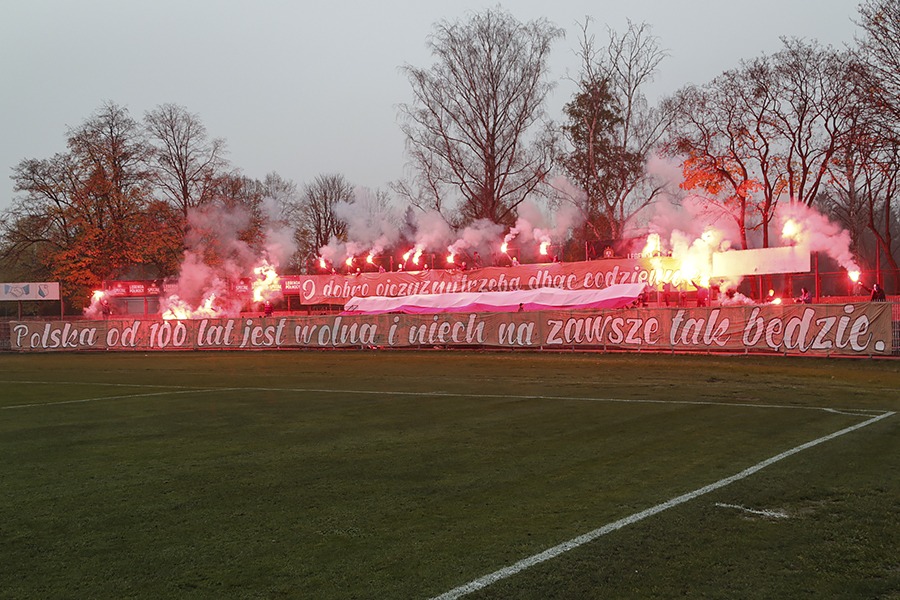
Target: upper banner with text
(339,288)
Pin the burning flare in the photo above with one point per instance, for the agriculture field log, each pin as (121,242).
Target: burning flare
(266,284)
(652,247)
(792,230)
(180,310)
(99,305)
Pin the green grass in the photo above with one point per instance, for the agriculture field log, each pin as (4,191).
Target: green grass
(404,474)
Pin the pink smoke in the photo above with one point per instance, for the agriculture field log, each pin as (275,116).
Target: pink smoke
(217,257)
(806,227)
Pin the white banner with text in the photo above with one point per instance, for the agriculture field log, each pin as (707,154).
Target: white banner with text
(822,329)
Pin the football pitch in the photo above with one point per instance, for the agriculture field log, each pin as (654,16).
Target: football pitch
(448,474)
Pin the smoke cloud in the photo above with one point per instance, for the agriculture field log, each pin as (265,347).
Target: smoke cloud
(374,229)
(804,226)
(218,257)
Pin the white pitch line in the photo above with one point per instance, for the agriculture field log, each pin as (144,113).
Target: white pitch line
(525,563)
(775,514)
(98,398)
(848,411)
(844,411)
(101,383)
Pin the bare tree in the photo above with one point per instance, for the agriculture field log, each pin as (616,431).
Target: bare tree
(425,191)
(283,193)
(748,98)
(864,178)
(813,93)
(319,221)
(879,49)
(867,185)
(765,132)
(186,161)
(47,214)
(612,129)
(710,135)
(475,125)
(287,211)
(592,159)
(878,84)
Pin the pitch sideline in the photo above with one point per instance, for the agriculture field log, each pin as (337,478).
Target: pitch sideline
(121,397)
(189,389)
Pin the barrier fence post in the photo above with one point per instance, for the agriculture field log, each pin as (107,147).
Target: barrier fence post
(816,262)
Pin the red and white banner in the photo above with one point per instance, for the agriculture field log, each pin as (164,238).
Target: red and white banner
(860,329)
(338,289)
(614,296)
(588,275)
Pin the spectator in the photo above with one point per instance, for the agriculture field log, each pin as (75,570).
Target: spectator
(702,294)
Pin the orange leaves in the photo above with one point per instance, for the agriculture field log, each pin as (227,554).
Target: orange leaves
(717,174)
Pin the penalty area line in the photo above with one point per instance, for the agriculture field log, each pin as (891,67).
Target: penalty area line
(526,563)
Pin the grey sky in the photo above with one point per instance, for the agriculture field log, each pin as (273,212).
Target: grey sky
(304,88)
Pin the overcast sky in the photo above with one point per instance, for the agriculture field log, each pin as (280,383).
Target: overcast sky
(306,88)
